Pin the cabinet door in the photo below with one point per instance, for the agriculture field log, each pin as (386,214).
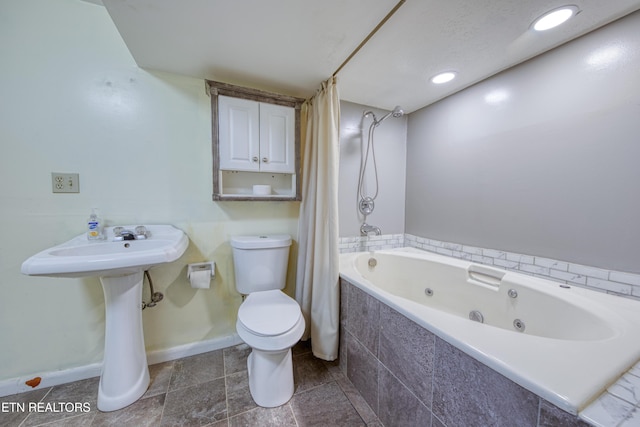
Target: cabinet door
(239,134)
(277,138)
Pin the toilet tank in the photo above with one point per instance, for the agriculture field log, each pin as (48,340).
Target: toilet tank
(260,262)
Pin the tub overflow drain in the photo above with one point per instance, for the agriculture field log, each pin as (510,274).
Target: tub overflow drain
(428,292)
(519,325)
(372,262)
(476,316)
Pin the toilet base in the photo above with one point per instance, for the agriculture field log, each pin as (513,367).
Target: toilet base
(270,377)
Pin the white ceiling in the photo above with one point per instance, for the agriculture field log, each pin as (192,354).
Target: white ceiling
(291,46)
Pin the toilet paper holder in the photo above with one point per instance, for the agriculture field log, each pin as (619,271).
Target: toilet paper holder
(201,266)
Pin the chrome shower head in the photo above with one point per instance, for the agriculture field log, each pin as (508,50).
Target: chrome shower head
(397,112)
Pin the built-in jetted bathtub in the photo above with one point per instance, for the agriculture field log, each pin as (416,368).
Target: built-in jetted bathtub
(563,343)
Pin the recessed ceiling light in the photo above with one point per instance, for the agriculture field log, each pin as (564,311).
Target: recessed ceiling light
(554,18)
(443,77)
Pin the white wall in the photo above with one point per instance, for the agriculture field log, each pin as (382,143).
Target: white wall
(390,150)
(73,100)
(541,159)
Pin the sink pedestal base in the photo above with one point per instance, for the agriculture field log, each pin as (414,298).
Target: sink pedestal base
(125,373)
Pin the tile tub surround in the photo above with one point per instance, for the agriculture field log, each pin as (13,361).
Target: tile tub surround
(609,281)
(410,377)
(209,389)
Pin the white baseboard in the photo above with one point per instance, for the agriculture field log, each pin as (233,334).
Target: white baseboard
(191,349)
(50,379)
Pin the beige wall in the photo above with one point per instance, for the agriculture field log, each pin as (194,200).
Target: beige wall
(73,100)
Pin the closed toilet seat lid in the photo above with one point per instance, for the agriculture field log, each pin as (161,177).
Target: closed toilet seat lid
(269,313)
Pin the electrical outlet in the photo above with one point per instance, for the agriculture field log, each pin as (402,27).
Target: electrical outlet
(65,182)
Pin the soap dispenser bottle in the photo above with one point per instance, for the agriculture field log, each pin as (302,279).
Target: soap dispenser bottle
(94,227)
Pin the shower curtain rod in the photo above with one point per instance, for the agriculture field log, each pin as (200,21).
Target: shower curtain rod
(366,39)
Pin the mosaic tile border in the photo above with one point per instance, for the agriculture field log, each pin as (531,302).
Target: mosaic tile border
(371,243)
(609,281)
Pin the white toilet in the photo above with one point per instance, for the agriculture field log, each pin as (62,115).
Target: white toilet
(269,321)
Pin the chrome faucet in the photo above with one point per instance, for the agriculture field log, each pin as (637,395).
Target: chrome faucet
(140,233)
(366,229)
(127,235)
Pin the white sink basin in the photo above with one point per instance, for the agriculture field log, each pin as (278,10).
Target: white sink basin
(80,257)
(120,265)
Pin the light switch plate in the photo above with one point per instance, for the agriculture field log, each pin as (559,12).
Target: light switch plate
(65,182)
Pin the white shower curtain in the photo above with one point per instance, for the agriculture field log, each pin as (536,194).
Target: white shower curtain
(317,288)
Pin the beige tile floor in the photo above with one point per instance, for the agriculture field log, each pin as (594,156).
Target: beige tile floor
(209,389)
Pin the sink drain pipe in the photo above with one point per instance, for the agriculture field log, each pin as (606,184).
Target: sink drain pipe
(156,297)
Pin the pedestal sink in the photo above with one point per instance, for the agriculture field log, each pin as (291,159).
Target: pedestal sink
(120,266)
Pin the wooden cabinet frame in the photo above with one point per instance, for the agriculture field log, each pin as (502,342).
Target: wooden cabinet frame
(217,88)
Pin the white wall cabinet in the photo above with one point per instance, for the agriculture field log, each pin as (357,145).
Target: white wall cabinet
(256,136)
(256,141)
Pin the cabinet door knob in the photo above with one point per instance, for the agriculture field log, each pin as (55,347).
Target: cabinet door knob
(254,158)
(265,160)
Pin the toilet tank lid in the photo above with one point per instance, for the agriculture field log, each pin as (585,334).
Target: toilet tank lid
(260,242)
